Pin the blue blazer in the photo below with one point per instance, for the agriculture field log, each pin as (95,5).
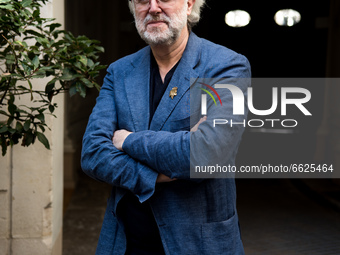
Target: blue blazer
(194,216)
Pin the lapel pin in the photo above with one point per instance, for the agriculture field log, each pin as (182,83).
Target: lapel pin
(173,92)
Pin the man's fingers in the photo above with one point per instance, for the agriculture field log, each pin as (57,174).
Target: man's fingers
(163,178)
(194,128)
(202,120)
(119,137)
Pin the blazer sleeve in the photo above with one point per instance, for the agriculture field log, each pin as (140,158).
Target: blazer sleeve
(173,153)
(101,160)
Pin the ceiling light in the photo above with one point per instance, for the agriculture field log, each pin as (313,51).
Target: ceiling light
(237,18)
(287,17)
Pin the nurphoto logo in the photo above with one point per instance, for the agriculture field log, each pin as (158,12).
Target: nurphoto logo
(239,105)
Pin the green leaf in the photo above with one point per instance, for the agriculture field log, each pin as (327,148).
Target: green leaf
(90,63)
(19,127)
(3,129)
(7,6)
(12,108)
(9,121)
(26,68)
(39,74)
(32,32)
(73,90)
(21,43)
(49,72)
(53,26)
(87,83)
(11,99)
(12,130)
(50,96)
(42,128)
(43,41)
(4,147)
(30,84)
(51,108)
(31,55)
(5,1)
(10,58)
(26,3)
(79,66)
(67,75)
(81,89)
(69,37)
(27,125)
(97,86)
(42,138)
(83,60)
(99,48)
(28,139)
(15,138)
(36,62)
(41,117)
(49,87)
(36,13)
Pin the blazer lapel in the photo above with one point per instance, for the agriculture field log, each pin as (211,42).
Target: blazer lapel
(137,86)
(181,79)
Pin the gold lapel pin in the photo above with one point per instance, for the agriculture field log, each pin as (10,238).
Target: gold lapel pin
(173,92)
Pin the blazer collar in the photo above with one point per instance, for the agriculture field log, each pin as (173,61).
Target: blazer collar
(138,86)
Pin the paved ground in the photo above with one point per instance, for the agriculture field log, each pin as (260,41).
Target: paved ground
(84,216)
(277,217)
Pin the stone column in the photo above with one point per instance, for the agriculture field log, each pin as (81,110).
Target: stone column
(5,202)
(31,183)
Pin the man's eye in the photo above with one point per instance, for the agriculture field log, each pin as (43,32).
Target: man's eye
(141,1)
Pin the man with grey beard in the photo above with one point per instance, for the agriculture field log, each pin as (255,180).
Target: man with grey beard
(138,140)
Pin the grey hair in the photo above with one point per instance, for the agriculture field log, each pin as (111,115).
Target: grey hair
(194,16)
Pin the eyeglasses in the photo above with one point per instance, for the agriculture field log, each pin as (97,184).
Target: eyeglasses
(147,2)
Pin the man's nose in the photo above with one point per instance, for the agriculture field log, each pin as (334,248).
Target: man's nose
(154,7)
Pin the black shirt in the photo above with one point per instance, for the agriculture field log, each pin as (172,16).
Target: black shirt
(141,229)
(157,87)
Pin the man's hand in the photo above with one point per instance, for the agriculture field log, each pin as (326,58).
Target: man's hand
(119,137)
(163,178)
(194,128)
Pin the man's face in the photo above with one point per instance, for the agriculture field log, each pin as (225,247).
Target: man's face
(161,22)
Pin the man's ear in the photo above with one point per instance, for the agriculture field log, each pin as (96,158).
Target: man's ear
(190,5)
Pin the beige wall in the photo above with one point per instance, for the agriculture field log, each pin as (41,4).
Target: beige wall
(31,183)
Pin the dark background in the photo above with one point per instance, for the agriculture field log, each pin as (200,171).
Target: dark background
(278,216)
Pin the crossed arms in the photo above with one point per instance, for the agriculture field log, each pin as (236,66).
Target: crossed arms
(102,161)
(119,137)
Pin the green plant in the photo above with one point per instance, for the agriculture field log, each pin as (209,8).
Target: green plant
(32,47)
